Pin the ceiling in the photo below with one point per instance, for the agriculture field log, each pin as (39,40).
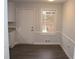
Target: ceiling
(60,1)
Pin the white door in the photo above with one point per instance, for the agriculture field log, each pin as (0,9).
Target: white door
(26,25)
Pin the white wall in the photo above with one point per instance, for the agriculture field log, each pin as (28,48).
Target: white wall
(12,38)
(69,18)
(40,39)
(68,28)
(12,18)
(11,11)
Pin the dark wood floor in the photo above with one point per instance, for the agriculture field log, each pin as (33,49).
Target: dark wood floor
(37,52)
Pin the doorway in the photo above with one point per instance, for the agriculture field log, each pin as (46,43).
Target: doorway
(41,29)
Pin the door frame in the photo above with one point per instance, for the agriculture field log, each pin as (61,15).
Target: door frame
(6,39)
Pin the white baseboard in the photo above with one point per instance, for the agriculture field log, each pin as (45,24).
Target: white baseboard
(38,43)
(15,43)
(66,52)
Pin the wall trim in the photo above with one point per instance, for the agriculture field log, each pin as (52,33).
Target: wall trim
(71,40)
(66,52)
(15,43)
(66,36)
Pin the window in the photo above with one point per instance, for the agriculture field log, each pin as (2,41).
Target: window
(48,17)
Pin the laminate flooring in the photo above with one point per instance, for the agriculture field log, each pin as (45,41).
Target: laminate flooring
(25,51)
